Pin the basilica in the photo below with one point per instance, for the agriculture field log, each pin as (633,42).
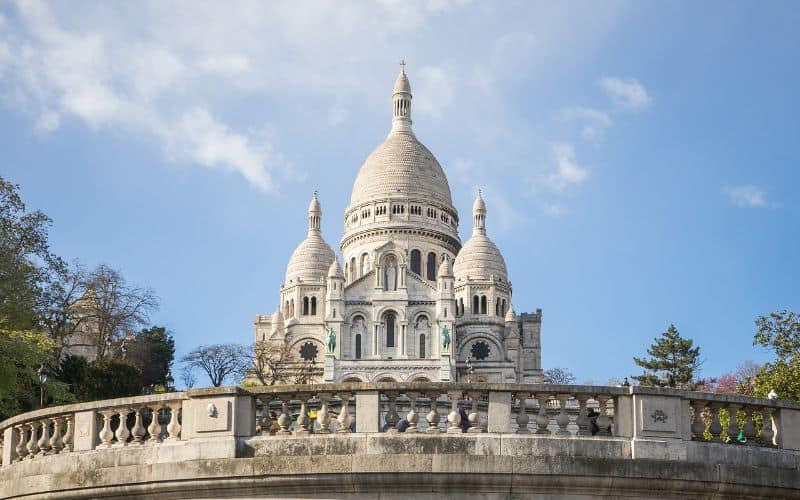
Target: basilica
(408,301)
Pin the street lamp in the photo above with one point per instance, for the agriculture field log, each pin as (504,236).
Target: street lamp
(42,371)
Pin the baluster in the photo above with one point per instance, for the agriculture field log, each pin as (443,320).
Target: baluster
(603,420)
(323,416)
(715,429)
(698,425)
(412,416)
(44,440)
(22,434)
(582,421)
(562,419)
(285,420)
(454,417)
(105,435)
(474,417)
(138,432)
(733,424)
(174,426)
(749,429)
(433,416)
(344,414)
(302,419)
(392,417)
(767,433)
(122,433)
(32,447)
(154,429)
(69,434)
(542,420)
(522,414)
(56,442)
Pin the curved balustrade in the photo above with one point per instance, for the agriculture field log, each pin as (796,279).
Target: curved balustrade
(542,410)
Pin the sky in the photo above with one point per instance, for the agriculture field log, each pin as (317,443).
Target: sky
(638,159)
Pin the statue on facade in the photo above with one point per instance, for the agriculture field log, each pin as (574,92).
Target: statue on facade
(445,338)
(365,265)
(331,339)
(391,277)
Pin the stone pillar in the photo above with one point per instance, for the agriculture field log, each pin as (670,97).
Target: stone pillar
(499,412)
(786,423)
(375,337)
(328,373)
(368,411)
(403,351)
(10,442)
(85,431)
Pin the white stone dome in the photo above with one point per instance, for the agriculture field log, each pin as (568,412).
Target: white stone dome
(480,258)
(311,260)
(401,167)
(335,271)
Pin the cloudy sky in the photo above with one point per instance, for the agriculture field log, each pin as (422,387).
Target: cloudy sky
(639,159)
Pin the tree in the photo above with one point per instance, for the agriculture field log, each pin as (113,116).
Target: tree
(271,363)
(57,314)
(152,351)
(110,378)
(779,332)
(114,307)
(220,361)
(673,361)
(26,262)
(560,376)
(188,377)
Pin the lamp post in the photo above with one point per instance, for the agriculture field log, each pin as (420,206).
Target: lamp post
(42,371)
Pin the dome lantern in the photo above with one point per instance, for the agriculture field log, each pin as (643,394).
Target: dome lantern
(314,214)
(401,102)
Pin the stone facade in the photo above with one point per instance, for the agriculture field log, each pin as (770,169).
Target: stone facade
(410,302)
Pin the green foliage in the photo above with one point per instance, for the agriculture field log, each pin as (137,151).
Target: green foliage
(152,351)
(781,376)
(26,263)
(111,378)
(23,352)
(673,361)
(779,332)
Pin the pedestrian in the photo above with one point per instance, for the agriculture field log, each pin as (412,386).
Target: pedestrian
(464,419)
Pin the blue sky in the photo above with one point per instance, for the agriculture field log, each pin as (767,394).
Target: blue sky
(639,159)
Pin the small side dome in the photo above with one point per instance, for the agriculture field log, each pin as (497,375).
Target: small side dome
(335,271)
(511,316)
(314,206)
(445,269)
(277,320)
(479,205)
(479,258)
(311,260)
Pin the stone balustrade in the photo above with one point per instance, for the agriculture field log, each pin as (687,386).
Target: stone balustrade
(623,425)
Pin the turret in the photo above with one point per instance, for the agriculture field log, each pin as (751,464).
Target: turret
(401,102)
(334,296)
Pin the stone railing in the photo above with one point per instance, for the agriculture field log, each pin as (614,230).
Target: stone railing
(101,424)
(577,412)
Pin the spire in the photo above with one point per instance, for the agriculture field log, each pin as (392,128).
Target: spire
(401,101)
(479,215)
(314,214)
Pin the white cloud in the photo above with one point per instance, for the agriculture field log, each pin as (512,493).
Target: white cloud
(202,139)
(749,196)
(433,90)
(626,92)
(567,171)
(594,121)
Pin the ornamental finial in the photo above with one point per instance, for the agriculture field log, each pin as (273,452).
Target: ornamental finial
(403,65)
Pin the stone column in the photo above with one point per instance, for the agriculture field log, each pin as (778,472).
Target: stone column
(85,431)
(375,337)
(10,442)
(499,412)
(368,411)
(402,353)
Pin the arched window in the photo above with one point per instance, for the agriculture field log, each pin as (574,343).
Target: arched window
(431,266)
(503,308)
(390,330)
(416,262)
(497,307)
(483,304)
(286,309)
(353,271)
(291,308)
(422,346)
(475,300)
(460,307)
(313,306)
(358,346)
(305,306)
(334,312)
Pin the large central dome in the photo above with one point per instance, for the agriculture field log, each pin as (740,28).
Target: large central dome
(401,166)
